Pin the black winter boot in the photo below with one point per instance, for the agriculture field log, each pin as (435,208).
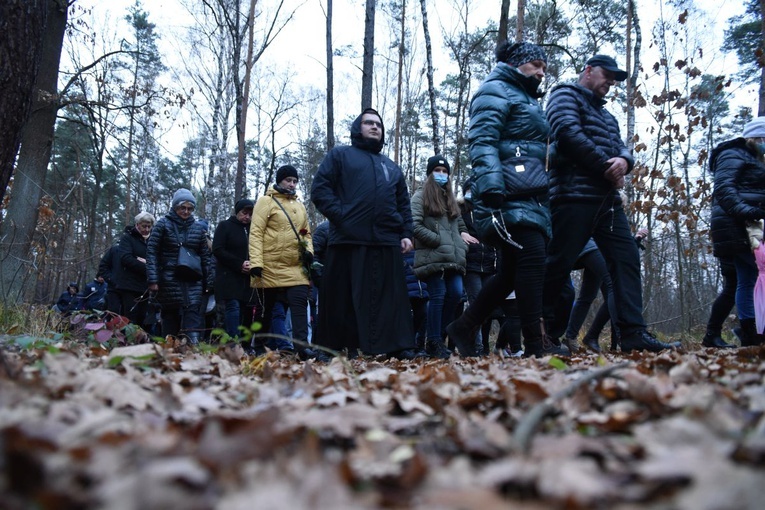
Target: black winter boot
(462,337)
(537,343)
(749,336)
(714,339)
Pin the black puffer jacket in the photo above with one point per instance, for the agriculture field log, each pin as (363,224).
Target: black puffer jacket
(130,273)
(162,255)
(739,195)
(231,249)
(363,194)
(587,136)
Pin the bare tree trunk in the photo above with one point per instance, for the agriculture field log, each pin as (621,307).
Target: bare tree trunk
(504,21)
(369,55)
(20,221)
(521,19)
(400,92)
(22,25)
(761,60)
(632,21)
(431,86)
(330,81)
(241,164)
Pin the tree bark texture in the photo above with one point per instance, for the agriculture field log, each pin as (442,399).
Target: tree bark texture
(521,19)
(21,216)
(330,81)
(367,74)
(504,21)
(22,24)
(400,91)
(431,86)
(241,166)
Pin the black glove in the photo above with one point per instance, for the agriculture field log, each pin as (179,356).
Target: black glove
(256,271)
(493,200)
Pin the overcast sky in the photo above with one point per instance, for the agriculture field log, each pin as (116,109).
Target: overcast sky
(301,45)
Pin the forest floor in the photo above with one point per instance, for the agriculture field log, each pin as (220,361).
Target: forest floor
(167,426)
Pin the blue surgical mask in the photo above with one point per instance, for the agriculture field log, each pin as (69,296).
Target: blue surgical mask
(441,179)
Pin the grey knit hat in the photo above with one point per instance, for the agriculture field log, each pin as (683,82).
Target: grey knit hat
(183,195)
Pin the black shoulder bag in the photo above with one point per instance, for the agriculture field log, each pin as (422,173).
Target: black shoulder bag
(188,267)
(524,176)
(306,258)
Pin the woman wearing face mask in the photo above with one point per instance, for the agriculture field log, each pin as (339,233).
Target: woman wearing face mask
(738,166)
(440,242)
(506,120)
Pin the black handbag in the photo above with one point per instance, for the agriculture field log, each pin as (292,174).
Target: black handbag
(189,264)
(524,176)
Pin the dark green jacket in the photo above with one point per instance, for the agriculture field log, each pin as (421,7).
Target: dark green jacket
(506,118)
(437,242)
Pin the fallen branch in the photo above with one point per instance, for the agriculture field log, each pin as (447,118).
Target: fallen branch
(524,432)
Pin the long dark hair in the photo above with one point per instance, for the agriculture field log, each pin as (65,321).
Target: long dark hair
(439,200)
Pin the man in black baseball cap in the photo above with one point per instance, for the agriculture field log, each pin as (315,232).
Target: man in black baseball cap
(609,64)
(585,202)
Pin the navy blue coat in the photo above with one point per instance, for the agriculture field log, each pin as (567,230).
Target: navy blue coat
(586,136)
(162,256)
(739,195)
(320,238)
(363,194)
(416,288)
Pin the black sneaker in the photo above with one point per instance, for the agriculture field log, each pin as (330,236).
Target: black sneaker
(437,350)
(543,347)
(644,341)
(716,342)
(408,354)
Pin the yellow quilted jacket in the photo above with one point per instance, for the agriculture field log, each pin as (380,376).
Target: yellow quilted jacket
(273,244)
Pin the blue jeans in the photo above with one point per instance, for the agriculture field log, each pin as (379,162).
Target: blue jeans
(445,291)
(746,272)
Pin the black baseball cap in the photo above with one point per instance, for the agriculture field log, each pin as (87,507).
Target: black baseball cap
(608,64)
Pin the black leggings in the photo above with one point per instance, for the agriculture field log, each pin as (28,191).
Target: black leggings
(520,270)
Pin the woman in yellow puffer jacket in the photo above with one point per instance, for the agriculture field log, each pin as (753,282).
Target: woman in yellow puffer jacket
(280,253)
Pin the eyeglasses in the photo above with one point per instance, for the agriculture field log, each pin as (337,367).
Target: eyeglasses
(372,123)
(184,208)
(501,228)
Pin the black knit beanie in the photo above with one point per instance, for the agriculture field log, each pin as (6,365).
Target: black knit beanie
(284,172)
(435,161)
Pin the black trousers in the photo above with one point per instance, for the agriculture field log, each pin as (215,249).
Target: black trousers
(522,270)
(573,224)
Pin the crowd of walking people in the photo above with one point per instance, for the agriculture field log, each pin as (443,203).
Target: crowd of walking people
(386,275)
